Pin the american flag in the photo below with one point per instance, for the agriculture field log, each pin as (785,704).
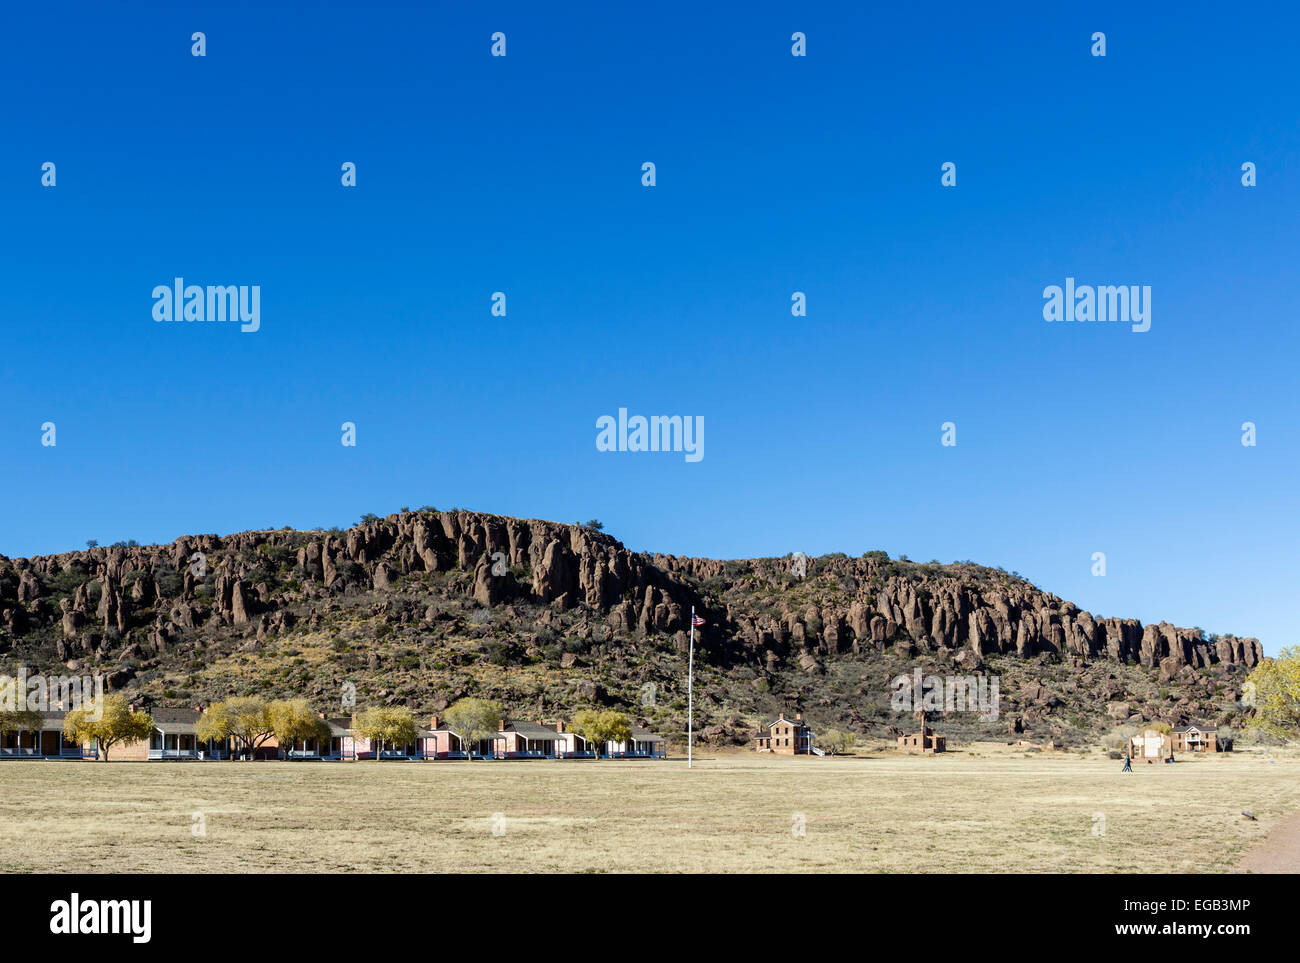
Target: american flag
(696,620)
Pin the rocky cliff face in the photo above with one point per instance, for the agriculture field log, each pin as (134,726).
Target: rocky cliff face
(142,597)
(876,602)
(129,609)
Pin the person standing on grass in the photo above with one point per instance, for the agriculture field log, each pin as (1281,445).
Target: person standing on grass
(1127,767)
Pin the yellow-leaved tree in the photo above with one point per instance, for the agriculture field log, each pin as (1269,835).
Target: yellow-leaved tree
(294,721)
(474,720)
(601,728)
(1274,689)
(244,720)
(835,742)
(107,721)
(385,726)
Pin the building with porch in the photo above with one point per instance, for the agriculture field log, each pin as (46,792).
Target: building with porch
(525,740)
(444,742)
(366,749)
(175,735)
(48,742)
(1198,738)
(787,737)
(426,744)
(173,738)
(644,744)
(339,746)
(571,745)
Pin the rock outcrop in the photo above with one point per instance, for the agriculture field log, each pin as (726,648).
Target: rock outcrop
(106,600)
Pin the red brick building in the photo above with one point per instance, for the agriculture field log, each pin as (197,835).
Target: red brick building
(1198,738)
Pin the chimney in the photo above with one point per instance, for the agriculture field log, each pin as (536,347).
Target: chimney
(433,723)
(501,725)
(559,726)
(321,714)
(798,717)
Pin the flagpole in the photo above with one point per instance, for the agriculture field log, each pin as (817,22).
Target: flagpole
(690,697)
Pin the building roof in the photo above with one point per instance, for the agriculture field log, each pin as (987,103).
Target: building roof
(175,721)
(1194,727)
(443,727)
(176,728)
(797,723)
(339,727)
(645,735)
(175,715)
(530,730)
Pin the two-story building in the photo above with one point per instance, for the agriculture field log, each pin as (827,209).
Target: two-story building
(787,737)
(1198,738)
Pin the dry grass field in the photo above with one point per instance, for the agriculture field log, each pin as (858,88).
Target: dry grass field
(987,809)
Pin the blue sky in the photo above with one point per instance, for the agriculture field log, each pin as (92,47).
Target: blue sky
(775,174)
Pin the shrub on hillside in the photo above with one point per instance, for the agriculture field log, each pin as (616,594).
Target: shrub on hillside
(1117,738)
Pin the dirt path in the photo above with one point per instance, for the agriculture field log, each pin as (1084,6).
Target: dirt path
(1280,853)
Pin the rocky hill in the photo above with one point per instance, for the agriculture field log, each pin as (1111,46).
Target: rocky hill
(421,608)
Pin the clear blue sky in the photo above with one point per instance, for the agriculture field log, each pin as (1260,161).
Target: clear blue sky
(775,174)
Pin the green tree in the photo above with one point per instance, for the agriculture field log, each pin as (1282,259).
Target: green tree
(474,720)
(107,721)
(294,721)
(601,727)
(386,726)
(1274,689)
